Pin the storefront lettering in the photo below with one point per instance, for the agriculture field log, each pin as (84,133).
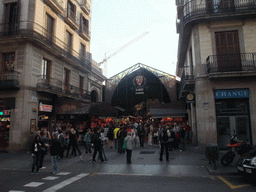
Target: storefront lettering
(225,94)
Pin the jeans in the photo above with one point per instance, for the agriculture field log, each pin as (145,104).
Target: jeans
(88,147)
(35,162)
(164,146)
(54,163)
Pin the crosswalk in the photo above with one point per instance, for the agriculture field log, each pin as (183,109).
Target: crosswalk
(55,187)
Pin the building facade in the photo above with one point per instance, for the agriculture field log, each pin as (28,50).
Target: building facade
(216,64)
(45,59)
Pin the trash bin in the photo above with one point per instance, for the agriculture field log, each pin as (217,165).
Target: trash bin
(212,153)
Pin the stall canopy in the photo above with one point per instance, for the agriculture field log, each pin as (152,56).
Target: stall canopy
(171,110)
(103,110)
(79,110)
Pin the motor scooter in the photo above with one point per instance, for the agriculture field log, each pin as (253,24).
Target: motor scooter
(235,146)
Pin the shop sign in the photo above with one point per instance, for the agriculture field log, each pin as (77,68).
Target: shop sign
(231,93)
(45,108)
(5,112)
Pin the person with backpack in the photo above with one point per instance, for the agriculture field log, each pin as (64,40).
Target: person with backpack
(163,139)
(88,144)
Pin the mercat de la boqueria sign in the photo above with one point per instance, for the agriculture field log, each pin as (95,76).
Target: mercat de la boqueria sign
(231,93)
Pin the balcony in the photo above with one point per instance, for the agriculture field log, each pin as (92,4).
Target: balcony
(179,4)
(55,5)
(186,85)
(9,80)
(207,9)
(71,19)
(196,11)
(231,65)
(84,32)
(85,7)
(28,31)
(57,87)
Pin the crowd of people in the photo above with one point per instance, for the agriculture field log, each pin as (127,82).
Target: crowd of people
(122,137)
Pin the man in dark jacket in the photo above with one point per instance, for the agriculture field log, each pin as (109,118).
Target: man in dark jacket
(96,139)
(141,134)
(163,138)
(55,150)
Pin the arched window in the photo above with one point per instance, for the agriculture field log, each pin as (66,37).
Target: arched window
(94,96)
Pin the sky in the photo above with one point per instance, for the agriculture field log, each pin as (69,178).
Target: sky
(116,23)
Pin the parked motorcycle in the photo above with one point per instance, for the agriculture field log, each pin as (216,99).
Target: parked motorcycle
(235,146)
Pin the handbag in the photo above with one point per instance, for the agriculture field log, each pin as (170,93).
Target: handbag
(124,145)
(42,150)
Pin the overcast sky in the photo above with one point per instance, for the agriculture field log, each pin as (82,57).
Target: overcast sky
(114,23)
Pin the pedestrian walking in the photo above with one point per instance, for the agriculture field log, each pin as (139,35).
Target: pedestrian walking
(141,133)
(96,139)
(129,139)
(103,143)
(115,136)
(45,138)
(88,144)
(55,150)
(73,143)
(163,138)
(36,150)
(155,137)
(61,139)
(110,136)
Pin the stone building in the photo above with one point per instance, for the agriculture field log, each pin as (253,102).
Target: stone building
(45,59)
(216,64)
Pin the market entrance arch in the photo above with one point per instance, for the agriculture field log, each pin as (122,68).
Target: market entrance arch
(140,86)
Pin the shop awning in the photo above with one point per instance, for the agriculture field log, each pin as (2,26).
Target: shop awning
(163,113)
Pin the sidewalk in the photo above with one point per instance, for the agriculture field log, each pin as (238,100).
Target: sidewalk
(144,161)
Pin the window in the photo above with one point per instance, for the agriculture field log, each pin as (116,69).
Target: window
(8,62)
(82,50)
(94,96)
(66,79)
(11,18)
(71,10)
(81,85)
(45,71)
(49,27)
(84,25)
(69,41)
(228,51)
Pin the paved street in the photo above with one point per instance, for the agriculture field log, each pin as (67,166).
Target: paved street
(186,171)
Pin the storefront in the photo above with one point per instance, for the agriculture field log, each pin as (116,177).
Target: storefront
(6,104)
(45,115)
(233,115)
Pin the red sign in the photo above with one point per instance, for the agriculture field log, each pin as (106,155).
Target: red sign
(7,112)
(45,108)
(139,80)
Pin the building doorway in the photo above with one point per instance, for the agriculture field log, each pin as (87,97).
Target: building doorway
(229,125)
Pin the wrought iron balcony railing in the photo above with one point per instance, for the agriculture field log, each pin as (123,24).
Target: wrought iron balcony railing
(186,84)
(71,18)
(9,79)
(34,31)
(48,84)
(203,7)
(85,7)
(84,29)
(56,5)
(231,62)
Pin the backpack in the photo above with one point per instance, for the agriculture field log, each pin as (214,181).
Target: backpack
(165,136)
(87,138)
